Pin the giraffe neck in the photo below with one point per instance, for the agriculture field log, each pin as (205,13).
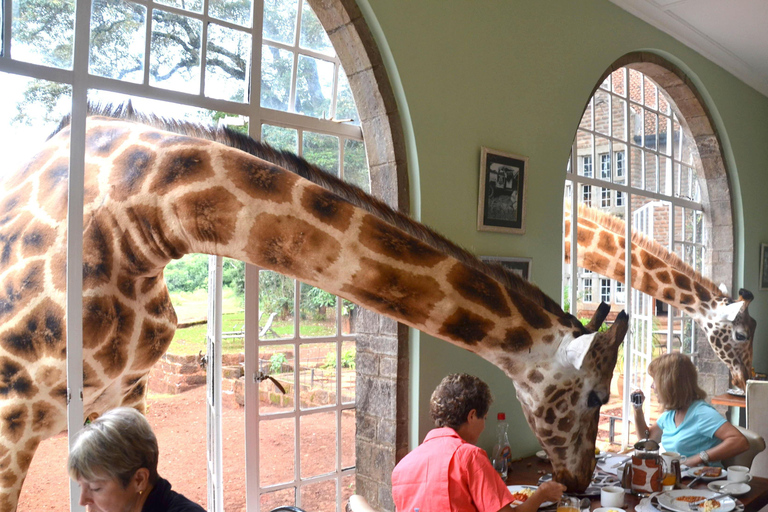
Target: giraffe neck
(201,196)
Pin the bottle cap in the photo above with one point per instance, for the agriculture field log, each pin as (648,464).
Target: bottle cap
(501,416)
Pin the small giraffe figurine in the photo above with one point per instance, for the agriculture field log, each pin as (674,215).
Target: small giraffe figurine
(664,276)
(155,191)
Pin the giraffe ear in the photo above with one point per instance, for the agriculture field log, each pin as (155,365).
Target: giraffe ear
(723,288)
(573,352)
(731,310)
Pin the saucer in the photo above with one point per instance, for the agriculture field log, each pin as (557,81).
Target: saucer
(734,489)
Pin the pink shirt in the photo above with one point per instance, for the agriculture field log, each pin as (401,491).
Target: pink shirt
(447,473)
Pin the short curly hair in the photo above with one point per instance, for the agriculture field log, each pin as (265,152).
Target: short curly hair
(455,396)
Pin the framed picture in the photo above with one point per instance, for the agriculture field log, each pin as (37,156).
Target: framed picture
(521,266)
(764,266)
(501,204)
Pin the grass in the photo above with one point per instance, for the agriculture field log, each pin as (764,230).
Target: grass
(194,306)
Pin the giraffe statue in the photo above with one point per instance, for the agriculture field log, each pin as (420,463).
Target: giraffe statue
(157,190)
(664,276)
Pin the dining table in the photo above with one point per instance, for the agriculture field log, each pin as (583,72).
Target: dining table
(529,470)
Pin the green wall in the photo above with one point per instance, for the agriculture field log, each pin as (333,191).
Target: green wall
(515,76)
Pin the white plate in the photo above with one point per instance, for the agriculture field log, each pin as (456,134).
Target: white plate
(610,509)
(692,473)
(735,488)
(669,500)
(517,488)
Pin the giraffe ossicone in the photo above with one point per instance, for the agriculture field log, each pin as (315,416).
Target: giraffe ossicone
(725,321)
(155,191)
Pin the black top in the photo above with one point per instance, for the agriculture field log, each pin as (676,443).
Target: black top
(162,499)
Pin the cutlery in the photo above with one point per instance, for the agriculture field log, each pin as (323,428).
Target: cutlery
(694,480)
(723,486)
(694,504)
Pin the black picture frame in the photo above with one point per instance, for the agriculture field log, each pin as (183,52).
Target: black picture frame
(521,266)
(502,192)
(763,267)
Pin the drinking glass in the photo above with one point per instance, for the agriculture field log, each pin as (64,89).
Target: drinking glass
(568,504)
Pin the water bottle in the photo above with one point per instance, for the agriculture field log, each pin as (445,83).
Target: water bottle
(502,453)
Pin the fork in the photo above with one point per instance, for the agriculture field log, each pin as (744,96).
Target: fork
(695,504)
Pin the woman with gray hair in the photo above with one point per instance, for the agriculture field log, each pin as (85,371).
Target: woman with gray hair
(114,460)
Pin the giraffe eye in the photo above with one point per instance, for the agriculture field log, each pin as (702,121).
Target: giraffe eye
(593,400)
(740,336)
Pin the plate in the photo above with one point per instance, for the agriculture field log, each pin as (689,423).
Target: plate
(692,473)
(669,500)
(517,488)
(542,454)
(610,509)
(736,392)
(735,488)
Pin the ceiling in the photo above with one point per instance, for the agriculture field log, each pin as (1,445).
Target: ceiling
(731,33)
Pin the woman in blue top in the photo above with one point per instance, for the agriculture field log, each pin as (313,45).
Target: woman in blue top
(688,425)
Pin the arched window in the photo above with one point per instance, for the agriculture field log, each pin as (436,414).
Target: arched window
(636,158)
(267,68)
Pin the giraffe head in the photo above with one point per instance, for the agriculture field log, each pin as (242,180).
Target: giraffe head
(562,396)
(730,330)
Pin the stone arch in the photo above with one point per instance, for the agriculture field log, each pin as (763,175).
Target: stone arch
(382,344)
(693,113)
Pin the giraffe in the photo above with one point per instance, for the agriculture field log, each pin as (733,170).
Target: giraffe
(663,275)
(157,190)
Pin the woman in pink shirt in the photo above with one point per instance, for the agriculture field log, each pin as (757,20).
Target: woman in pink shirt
(448,471)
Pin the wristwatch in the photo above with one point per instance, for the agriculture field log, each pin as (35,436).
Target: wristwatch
(704,456)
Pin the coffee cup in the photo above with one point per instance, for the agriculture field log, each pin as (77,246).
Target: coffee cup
(739,474)
(612,496)
(670,456)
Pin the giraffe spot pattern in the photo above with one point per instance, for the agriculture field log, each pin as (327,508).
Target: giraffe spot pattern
(595,260)
(102,140)
(517,339)
(257,178)
(478,288)
(127,286)
(387,240)
(52,193)
(327,207)
(584,237)
(607,243)
(12,205)
(160,306)
(36,163)
(43,417)
(668,294)
(548,338)
(399,293)
(58,269)
(651,262)
(535,376)
(153,234)
(153,341)
(681,281)
(291,246)
(566,423)
(701,292)
(466,327)
(108,321)
(15,380)
(648,284)
(133,390)
(181,167)
(112,355)
(686,298)
(210,215)
(97,254)
(14,420)
(39,334)
(90,377)
(47,375)
(129,172)
(36,239)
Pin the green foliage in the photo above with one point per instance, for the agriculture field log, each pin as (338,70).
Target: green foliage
(276,293)
(187,274)
(276,362)
(347,359)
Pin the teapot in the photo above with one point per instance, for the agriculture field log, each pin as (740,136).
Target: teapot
(646,468)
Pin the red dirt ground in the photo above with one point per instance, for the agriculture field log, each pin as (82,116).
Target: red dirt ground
(179,423)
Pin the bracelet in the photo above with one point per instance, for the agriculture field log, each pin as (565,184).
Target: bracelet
(703,455)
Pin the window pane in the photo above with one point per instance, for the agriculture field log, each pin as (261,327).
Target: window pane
(317,312)
(346,110)
(586,119)
(650,93)
(347,487)
(175,52)
(665,124)
(281,498)
(286,139)
(356,165)
(313,35)
(635,86)
(603,164)
(636,178)
(314,87)
(618,110)
(651,168)
(651,129)
(602,112)
(187,5)
(347,438)
(43,32)
(317,372)
(117,40)
(619,163)
(320,497)
(276,68)
(318,437)
(26,123)
(236,11)
(276,293)
(618,81)
(636,120)
(227,63)
(280,432)
(321,150)
(665,176)
(280,20)
(348,372)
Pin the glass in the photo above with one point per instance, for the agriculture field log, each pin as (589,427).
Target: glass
(314,87)
(236,11)
(276,69)
(228,50)
(276,293)
(318,436)
(175,52)
(286,139)
(356,165)
(602,112)
(586,119)
(280,20)
(321,150)
(43,32)
(117,40)
(569,504)
(346,110)
(187,5)
(269,431)
(313,35)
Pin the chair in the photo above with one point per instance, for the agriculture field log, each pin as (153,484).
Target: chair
(757,421)
(357,503)
(756,445)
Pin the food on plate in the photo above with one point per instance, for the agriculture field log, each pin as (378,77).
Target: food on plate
(597,451)
(709,472)
(707,506)
(521,495)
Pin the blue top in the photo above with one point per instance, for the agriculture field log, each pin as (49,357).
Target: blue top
(695,433)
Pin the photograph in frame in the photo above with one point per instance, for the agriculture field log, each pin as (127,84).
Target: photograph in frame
(501,201)
(521,266)
(763,267)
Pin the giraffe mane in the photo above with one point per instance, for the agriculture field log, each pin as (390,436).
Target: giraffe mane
(351,193)
(618,226)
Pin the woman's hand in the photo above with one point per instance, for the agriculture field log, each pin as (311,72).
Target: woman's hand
(549,491)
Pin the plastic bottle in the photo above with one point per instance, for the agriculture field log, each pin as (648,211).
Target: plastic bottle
(502,453)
